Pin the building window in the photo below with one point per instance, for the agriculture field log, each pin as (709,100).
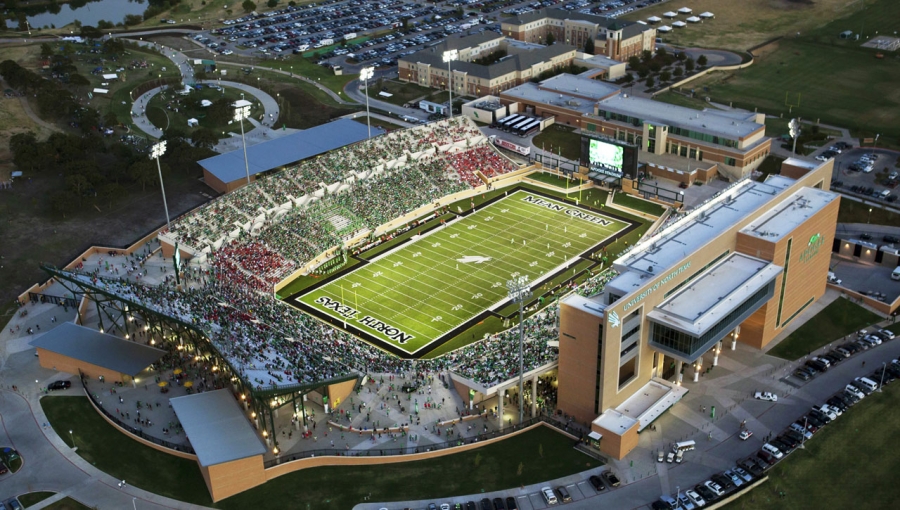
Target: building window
(683,150)
(730,161)
(784,277)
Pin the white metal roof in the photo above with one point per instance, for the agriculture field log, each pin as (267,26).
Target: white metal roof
(790,213)
(710,297)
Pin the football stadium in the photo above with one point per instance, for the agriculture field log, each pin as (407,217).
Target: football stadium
(420,277)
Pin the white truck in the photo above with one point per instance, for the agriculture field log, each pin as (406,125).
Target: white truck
(324,42)
(350,36)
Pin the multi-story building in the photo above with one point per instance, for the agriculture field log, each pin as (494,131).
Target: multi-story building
(521,63)
(740,267)
(613,38)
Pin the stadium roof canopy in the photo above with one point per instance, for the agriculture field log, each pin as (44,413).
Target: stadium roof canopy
(96,348)
(217,427)
(288,149)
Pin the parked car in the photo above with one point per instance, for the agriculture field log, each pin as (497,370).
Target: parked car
(767,457)
(597,483)
(802,375)
(695,498)
(765,395)
(498,504)
(611,479)
(511,503)
(685,502)
(751,466)
(707,494)
(722,481)
(742,473)
(564,495)
(799,428)
(736,480)
(59,385)
(714,487)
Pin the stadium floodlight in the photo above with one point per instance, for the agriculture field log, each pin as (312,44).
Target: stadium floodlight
(449,57)
(366,74)
(519,292)
(241,113)
(156,151)
(794,127)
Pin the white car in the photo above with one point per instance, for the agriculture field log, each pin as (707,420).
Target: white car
(772,450)
(745,434)
(765,395)
(799,428)
(742,473)
(714,487)
(735,479)
(685,502)
(692,494)
(853,390)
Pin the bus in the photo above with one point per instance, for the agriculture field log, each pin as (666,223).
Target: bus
(510,121)
(514,128)
(529,128)
(499,122)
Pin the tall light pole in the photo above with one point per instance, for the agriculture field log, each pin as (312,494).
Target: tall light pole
(72,438)
(449,57)
(241,113)
(156,151)
(883,368)
(366,74)
(519,292)
(875,144)
(794,126)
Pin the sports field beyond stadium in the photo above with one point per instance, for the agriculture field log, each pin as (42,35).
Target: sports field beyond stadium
(412,296)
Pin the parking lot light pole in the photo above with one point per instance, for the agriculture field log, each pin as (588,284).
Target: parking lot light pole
(869,218)
(449,57)
(803,435)
(875,144)
(241,113)
(883,368)
(156,151)
(366,73)
(518,293)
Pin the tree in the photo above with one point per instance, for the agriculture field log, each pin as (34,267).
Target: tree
(689,64)
(46,50)
(77,80)
(655,67)
(113,47)
(248,6)
(680,55)
(643,72)
(78,185)
(63,201)
(272,3)
(133,19)
(204,137)
(143,172)
(550,39)
(589,46)
(220,112)
(665,76)
(628,77)
(678,71)
(110,192)
(634,62)
(650,82)
(91,32)
(701,60)
(646,55)
(661,52)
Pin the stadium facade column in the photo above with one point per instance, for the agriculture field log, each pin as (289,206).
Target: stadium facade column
(534,395)
(500,394)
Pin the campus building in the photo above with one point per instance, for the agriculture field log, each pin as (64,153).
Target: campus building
(616,39)
(521,63)
(740,267)
(675,142)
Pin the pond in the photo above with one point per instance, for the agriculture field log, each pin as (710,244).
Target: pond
(87,13)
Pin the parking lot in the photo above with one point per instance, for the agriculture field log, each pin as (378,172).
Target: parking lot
(347,29)
(867,173)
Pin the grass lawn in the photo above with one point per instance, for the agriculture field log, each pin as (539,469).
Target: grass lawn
(541,454)
(803,72)
(402,92)
(638,204)
(15,464)
(105,447)
(560,138)
(302,109)
(555,180)
(841,466)
(460,270)
(305,68)
(745,24)
(67,504)
(835,321)
(852,211)
(33,498)
(161,110)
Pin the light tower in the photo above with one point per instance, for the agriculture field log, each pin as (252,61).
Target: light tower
(519,292)
(241,113)
(366,74)
(156,151)
(449,57)
(794,127)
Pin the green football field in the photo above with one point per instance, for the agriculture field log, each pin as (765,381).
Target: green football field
(413,295)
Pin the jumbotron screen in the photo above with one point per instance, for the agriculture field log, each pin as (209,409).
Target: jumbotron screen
(608,157)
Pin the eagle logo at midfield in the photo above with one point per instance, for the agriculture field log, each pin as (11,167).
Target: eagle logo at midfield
(475,259)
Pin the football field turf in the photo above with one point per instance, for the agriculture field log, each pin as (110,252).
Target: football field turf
(411,296)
